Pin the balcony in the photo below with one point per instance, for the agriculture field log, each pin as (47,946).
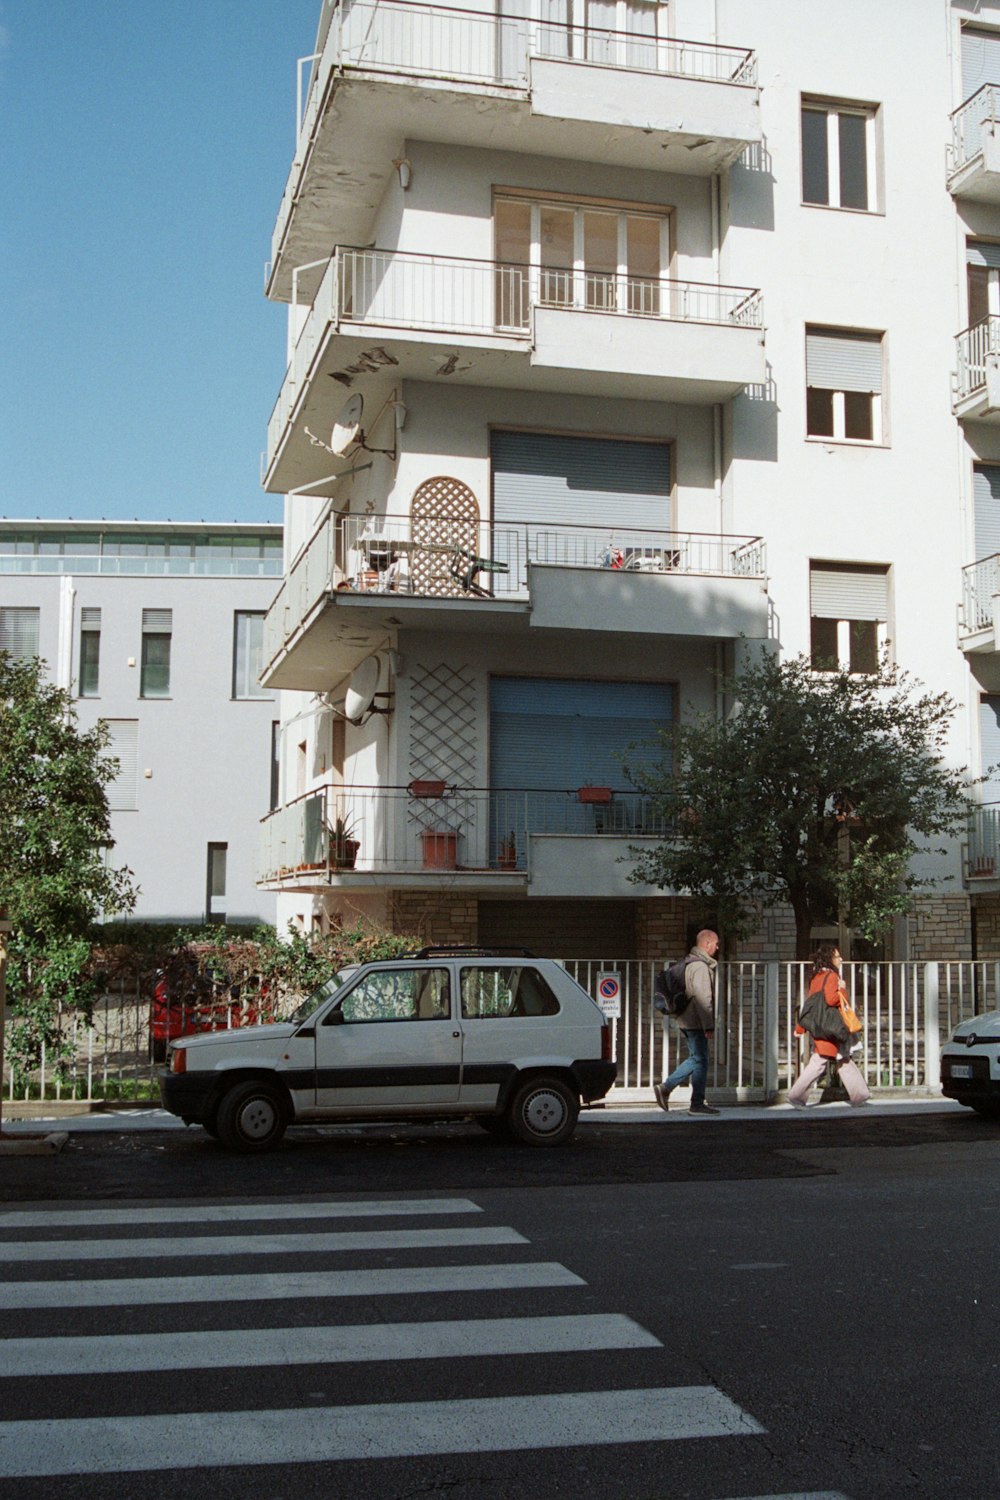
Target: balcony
(982,855)
(472,837)
(979,614)
(974,155)
(391,71)
(360,578)
(483,323)
(977,378)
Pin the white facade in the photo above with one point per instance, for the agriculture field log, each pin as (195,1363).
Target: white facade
(749,233)
(152,627)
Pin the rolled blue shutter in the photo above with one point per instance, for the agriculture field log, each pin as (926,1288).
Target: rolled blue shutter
(580,481)
(986,500)
(989,744)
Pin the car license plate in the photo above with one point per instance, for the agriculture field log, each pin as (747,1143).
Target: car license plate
(961,1070)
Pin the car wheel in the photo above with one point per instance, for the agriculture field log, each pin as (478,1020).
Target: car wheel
(211,1125)
(543,1112)
(252,1117)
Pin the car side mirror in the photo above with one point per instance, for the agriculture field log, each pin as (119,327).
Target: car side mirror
(335,1018)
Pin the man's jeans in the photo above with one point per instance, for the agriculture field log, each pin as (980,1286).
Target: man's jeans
(694,1066)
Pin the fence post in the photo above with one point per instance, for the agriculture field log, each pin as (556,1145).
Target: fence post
(932,1026)
(771,1066)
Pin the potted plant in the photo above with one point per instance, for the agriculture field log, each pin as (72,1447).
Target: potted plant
(343,845)
(507,859)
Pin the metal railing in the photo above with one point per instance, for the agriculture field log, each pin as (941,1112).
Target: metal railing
(363,554)
(334,830)
(967,126)
(973,349)
(907,1009)
(485,299)
(121,567)
(983,846)
(980,584)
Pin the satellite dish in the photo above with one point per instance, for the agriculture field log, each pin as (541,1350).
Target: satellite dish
(361,689)
(347,428)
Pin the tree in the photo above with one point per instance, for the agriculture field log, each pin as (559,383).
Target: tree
(55,831)
(817,790)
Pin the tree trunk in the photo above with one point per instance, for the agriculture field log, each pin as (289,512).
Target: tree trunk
(803,931)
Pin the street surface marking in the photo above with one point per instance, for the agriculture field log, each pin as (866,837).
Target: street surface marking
(497,1424)
(257,1244)
(801,1495)
(251,1348)
(221,1213)
(137,1291)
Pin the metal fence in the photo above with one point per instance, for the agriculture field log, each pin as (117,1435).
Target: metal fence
(906,1008)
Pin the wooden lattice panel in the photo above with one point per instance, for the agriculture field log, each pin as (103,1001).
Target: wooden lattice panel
(444,513)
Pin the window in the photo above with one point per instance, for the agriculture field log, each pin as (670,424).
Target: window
(494,993)
(215,885)
(838,155)
(156,632)
(19,632)
(844,385)
(123,746)
(983,279)
(602,258)
(849,610)
(248,641)
(275,764)
(90,652)
(399,995)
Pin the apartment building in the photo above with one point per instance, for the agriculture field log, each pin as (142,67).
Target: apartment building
(157,628)
(624,338)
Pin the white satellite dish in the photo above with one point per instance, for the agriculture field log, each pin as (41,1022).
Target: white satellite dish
(361,689)
(347,428)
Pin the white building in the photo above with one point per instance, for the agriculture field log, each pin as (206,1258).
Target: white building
(657,309)
(157,628)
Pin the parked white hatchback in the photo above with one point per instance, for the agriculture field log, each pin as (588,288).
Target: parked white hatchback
(970,1064)
(511,1041)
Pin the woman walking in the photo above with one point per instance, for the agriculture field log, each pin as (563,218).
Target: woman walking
(831,1037)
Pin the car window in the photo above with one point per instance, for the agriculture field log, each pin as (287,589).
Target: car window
(399,995)
(312,1002)
(490,992)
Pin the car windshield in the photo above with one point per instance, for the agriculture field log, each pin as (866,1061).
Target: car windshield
(312,1002)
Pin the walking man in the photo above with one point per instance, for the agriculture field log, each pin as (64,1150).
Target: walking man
(697,1022)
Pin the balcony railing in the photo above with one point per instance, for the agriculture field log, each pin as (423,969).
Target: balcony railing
(336,830)
(980,583)
(974,347)
(445,558)
(487,299)
(967,125)
(983,852)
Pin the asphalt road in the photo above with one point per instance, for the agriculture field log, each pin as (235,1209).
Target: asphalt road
(815,1297)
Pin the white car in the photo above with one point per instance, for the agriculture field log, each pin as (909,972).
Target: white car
(511,1041)
(970,1064)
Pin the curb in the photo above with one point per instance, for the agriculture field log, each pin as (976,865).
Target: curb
(33,1145)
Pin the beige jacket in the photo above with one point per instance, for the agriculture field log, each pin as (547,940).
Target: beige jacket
(699,982)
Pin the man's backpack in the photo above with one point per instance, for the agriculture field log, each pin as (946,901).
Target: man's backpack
(670,996)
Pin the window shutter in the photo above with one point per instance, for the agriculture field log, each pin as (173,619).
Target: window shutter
(980,59)
(986,501)
(844,362)
(580,481)
(989,746)
(982,253)
(157,621)
(850,592)
(124,747)
(19,632)
(90,618)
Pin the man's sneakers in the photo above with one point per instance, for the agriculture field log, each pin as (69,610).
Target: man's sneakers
(662,1095)
(703,1109)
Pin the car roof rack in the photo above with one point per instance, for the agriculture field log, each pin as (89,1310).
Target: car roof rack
(470,950)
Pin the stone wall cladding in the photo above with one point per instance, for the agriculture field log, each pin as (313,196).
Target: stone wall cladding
(661,924)
(436,916)
(940,928)
(987,910)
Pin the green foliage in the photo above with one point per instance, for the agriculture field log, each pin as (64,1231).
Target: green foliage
(817,790)
(55,831)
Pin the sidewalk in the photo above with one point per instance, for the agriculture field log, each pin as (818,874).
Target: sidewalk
(621,1113)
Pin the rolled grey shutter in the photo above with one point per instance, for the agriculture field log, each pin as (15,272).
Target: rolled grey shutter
(980,59)
(19,632)
(989,746)
(580,481)
(849,593)
(982,253)
(986,500)
(124,747)
(90,618)
(844,362)
(157,621)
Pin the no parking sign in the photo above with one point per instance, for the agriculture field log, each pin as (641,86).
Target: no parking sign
(609,993)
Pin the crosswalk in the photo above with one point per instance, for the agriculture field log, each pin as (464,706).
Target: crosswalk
(62,1265)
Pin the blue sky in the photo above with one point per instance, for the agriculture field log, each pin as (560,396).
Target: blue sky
(143,153)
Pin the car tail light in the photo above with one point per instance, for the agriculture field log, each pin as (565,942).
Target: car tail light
(178,1060)
(605,1043)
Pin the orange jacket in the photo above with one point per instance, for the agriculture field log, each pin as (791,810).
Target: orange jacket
(830,982)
